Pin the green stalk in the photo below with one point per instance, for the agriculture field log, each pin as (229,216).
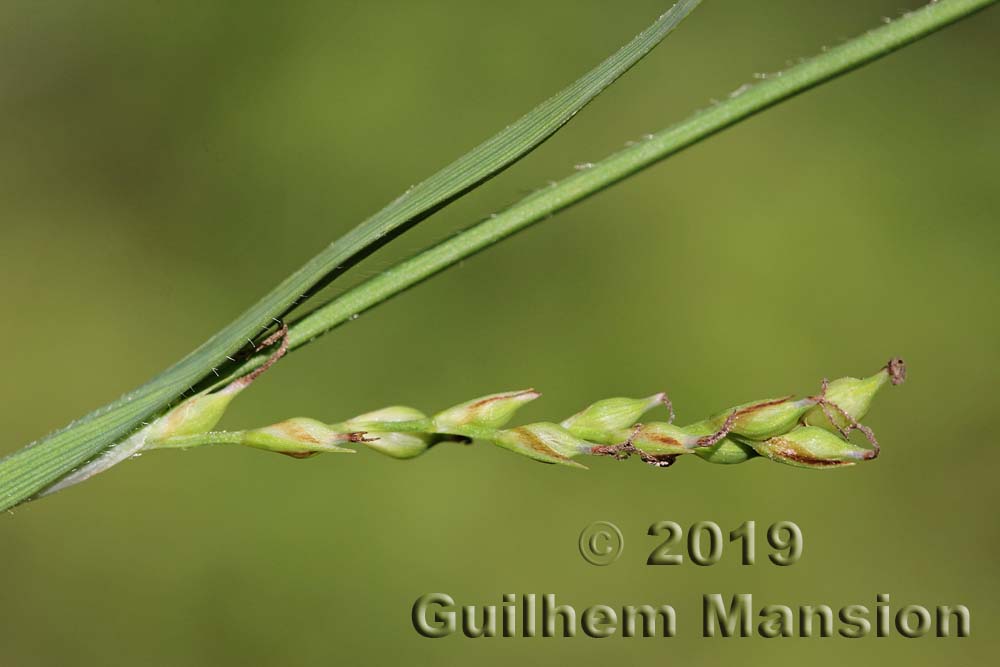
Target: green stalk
(703,124)
(208,438)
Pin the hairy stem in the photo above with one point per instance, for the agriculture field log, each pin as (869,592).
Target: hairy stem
(703,124)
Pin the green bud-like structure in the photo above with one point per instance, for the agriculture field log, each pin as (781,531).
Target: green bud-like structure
(726,451)
(661,443)
(299,437)
(597,420)
(397,444)
(760,420)
(195,415)
(480,415)
(661,439)
(545,442)
(853,397)
(813,447)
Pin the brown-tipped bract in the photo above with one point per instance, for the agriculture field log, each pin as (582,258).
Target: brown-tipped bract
(488,412)
(299,437)
(549,443)
(854,397)
(397,444)
(812,447)
(760,420)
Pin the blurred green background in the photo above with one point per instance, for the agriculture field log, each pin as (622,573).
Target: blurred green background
(164,164)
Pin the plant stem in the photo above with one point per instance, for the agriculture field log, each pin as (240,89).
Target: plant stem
(198,440)
(703,124)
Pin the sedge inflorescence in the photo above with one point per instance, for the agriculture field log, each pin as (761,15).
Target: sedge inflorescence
(811,432)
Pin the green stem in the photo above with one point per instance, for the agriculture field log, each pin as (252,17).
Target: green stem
(415,426)
(539,206)
(198,440)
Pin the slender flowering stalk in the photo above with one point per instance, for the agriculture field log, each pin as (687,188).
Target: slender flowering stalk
(809,432)
(543,204)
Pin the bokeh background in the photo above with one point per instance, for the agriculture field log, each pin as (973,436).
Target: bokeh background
(164,164)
